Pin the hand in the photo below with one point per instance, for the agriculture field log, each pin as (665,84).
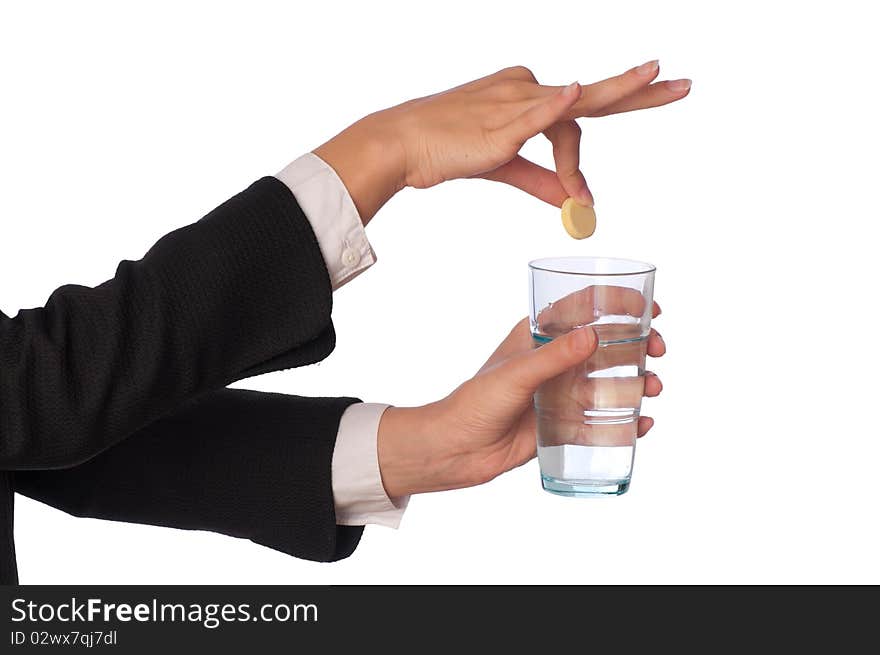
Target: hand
(477,129)
(487,425)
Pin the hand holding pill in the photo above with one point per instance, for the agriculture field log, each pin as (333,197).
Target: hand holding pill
(476,130)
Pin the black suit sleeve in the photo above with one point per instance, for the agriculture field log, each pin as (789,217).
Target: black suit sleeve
(243,291)
(242,463)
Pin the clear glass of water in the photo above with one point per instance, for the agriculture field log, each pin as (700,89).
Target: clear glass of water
(587,418)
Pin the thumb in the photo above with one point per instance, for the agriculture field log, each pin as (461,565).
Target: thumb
(541,116)
(524,373)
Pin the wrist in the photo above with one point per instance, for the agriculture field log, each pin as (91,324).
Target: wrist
(412,459)
(370,163)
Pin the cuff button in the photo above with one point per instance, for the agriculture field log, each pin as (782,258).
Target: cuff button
(350,257)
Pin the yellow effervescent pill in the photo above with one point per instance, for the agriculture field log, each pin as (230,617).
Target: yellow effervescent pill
(579,221)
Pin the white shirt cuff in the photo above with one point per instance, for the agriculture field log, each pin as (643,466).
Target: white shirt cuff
(358,494)
(334,219)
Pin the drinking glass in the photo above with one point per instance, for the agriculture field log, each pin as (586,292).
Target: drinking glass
(587,417)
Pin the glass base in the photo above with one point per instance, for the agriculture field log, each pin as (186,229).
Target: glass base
(584,488)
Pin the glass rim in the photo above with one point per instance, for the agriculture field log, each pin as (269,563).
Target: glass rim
(552,265)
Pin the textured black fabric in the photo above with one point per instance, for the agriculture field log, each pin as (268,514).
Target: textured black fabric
(8,571)
(243,291)
(243,463)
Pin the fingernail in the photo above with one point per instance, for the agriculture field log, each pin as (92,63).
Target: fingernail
(571,89)
(679,85)
(584,197)
(584,338)
(648,68)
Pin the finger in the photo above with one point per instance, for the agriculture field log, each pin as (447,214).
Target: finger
(586,305)
(539,116)
(645,424)
(629,348)
(630,91)
(567,391)
(566,140)
(604,93)
(527,176)
(601,94)
(653,385)
(656,345)
(557,430)
(519,340)
(656,95)
(524,373)
(657,310)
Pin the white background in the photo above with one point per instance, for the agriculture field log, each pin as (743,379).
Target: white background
(755,197)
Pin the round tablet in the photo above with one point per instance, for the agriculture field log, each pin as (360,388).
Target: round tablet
(579,221)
